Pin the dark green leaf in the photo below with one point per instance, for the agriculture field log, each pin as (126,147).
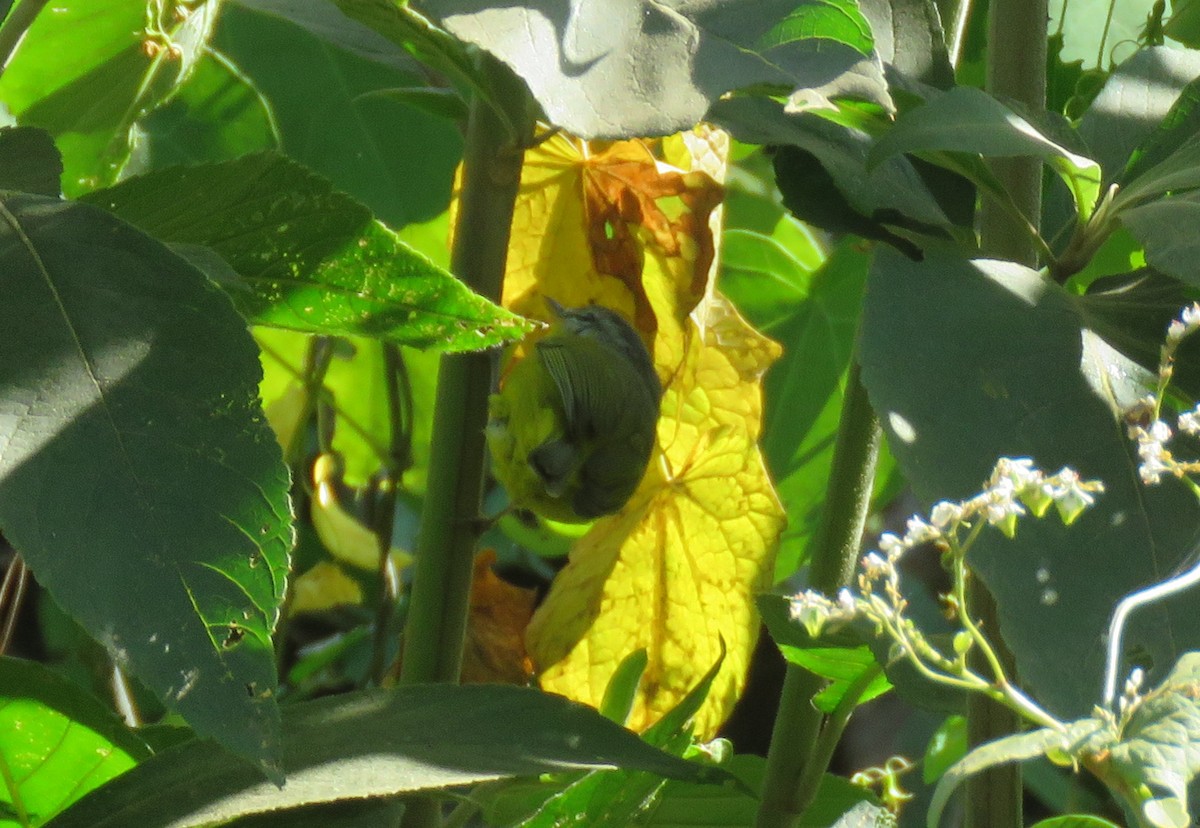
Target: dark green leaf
(444,103)
(909,37)
(1075,821)
(812,195)
(1131,311)
(1166,228)
(59,742)
(1131,107)
(85,74)
(327,23)
(947,745)
(138,476)
(1174,128)
(1179,171)
(378,743)
(588,65)
(968,120)
(396,159)
(308,258)
(216,115)
(892,193)
(29,161)
(970,361)
(363,813)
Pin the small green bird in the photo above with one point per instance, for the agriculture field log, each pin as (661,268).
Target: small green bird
(573,425)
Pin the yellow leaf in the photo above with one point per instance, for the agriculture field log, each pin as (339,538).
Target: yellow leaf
(324,587)
(341,533)
(675,572)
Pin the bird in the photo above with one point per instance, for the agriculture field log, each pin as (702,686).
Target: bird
(573,425)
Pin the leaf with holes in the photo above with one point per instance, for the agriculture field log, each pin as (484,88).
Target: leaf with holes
(138,476)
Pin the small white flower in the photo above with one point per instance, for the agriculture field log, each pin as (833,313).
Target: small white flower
(846,601)
(891,545)
(945,513)
(918,532)
(1189,421)
(1072,495)
(1176,331)
(1156,460)
(1191,317)
(1018,471)
(876,566)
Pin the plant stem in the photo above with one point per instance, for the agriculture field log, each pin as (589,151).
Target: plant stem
(1016,69)
(383,509)
(795,762)
(15,25)
(437,613)
(437,619)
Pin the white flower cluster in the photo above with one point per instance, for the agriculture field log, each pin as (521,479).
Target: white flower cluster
(1016,487)
(1156,458)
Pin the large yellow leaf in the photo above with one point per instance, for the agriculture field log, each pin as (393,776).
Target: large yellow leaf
(674,572)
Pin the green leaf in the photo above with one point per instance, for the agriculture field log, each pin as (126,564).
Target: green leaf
(29,161)
(622,688)
(1159,745)
(377,743)
(892,193)
(947,746)
(84,74)
(444,103)
(138,477)
(325,22)
(1184,24)
(908,36)
(59,742)
(1179,171)
(396,159)
(689,805)
(309,258)
(1177,126)
(1098,32)
(836,20)
(968,361)
(1015,748)
(1166,229)
(588,65)
(847,669)
(355,387)
(968,120)
(1131,311)
(216,115)
(1132,106)
(1075,821)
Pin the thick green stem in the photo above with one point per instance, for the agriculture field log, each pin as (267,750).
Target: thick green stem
(450,519)
(1016,70)
(437,615)
(791,776)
